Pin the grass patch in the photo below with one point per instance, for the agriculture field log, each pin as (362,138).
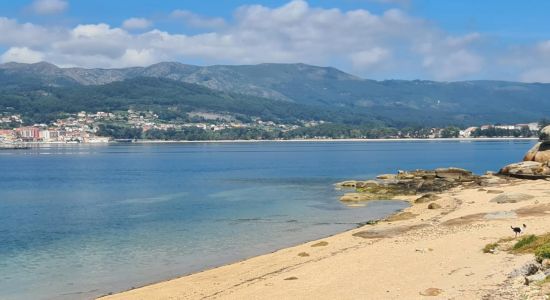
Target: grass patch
(538,245)
(525,243)
(542,252)
(490,248)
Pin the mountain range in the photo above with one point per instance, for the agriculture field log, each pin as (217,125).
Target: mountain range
(317,92)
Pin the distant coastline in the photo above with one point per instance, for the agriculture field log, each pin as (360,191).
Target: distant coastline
(293,141)
(340,140)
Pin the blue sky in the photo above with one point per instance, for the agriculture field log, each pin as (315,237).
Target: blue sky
(380,39)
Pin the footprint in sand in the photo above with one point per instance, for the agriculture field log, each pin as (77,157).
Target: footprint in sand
(291,278)
(431,292)
(303,254)
(320,244)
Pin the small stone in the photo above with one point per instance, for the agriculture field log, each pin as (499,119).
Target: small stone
(303,254)
(291,278)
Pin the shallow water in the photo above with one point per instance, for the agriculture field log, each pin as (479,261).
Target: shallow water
(84,220)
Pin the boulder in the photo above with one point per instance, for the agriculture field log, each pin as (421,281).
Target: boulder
(511,198)
(530,155)
(386,176)
(539,153)
(526,169)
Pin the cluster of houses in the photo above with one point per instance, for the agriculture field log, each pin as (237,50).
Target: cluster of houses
(83,127)
(534,127)
(80,128)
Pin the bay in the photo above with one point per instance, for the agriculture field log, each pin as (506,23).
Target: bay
(79,221)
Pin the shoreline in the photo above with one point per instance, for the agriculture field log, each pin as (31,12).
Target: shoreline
(467,220)
(337,140)
(294,141)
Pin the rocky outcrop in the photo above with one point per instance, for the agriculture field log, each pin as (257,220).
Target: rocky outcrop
(390,186)
(527,169)
(536,162)
(541,151)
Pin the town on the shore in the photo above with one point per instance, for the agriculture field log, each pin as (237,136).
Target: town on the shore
(103,127)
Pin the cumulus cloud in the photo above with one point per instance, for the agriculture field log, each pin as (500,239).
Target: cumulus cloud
(137,23)
(48,7)
(295,32)
(21,54)
(532,62)
(451,58)
(368,58)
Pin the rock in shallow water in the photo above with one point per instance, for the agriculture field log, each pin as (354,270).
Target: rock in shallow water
(406,183)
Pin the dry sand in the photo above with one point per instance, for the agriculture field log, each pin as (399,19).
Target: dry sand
(424,254)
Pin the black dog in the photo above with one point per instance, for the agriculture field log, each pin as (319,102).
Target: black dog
(518,230)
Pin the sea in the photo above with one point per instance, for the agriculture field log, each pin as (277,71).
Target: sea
(79,221)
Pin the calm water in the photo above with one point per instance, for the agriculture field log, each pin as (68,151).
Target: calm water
(81,221)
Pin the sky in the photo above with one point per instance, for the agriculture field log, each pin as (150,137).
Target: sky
(379,39)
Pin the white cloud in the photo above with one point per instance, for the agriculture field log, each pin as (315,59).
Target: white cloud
(374,44)
(454,64)
(13,33)
(368,58)
(21,55)
(197,21)
(48,7)
(451,57)
(532,62)
(137,23)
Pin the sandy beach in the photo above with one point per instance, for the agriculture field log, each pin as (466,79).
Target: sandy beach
(419,253)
